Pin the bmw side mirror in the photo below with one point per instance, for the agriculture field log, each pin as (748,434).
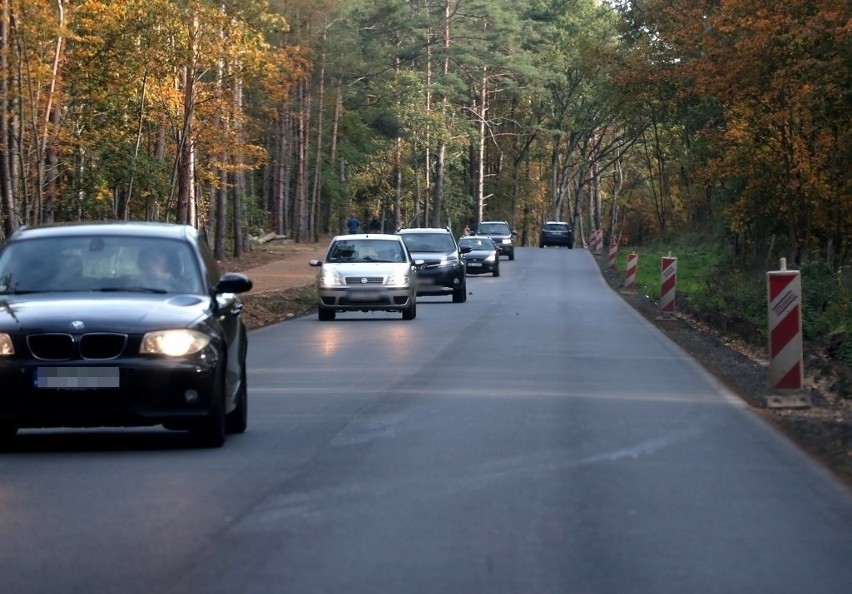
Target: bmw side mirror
(232,282)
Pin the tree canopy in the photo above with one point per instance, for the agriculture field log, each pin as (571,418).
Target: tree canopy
(643,118)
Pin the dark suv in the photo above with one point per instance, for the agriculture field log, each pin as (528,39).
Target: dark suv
(440,268)
(556,233)
(502,235)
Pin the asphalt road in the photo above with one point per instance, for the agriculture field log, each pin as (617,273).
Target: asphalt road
(540,438)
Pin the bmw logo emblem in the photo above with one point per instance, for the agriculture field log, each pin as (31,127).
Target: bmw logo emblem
(77,325)
(364,281)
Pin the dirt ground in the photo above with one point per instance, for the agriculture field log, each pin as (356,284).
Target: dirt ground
(282,280)
(284,288)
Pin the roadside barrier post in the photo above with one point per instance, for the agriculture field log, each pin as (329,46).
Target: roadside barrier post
(784,299)
(613,252)
(630,273)
(668,287)
(597,242)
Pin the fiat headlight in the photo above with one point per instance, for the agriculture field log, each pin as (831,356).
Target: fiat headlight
(330,278)
(397,280)
(174,343)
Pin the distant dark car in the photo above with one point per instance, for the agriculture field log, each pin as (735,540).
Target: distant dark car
(483,257)
(557,233)
(502,234)
(440,267)
(120,324)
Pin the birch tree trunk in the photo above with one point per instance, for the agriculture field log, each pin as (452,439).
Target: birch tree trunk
(140,126)
(186,189)
(332,157)
(8,205)
(302,162)
(440,161)
(480,169)
(44,170)
(313,223)
(289,146)
(239,170)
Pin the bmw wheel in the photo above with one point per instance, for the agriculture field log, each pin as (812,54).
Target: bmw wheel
(210,431)
(236,421)
(325,315)
(7,434)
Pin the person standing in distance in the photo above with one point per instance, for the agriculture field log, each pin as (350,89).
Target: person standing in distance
(353,223)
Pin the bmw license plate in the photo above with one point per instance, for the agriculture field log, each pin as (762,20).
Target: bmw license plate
(76,378)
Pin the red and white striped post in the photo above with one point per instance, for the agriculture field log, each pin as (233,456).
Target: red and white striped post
(613,252)
(630,273)
(597,242)
(784,298)
(668,286)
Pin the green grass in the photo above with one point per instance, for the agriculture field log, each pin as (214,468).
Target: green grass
(718,290)
(694,266)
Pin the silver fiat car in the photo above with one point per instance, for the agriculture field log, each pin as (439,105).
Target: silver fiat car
(366,272)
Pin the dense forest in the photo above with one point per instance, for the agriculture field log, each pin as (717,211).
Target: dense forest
(644,118)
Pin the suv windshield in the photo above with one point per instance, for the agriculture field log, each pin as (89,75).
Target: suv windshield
(495,228)
(429,242)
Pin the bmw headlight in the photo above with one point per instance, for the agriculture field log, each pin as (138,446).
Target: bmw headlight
(330,278)
(6,348)
(174,343)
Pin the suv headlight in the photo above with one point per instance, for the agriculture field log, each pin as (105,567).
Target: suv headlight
(174,343)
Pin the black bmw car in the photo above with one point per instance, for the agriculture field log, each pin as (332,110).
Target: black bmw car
(120,324)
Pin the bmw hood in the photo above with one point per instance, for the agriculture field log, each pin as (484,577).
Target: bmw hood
(63,312)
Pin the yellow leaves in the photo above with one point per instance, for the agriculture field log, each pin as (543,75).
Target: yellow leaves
(778,71)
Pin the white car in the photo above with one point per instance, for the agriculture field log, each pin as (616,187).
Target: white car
(366,272)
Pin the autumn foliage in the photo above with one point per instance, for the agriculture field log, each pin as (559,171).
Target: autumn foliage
(647,118)
(763,89)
